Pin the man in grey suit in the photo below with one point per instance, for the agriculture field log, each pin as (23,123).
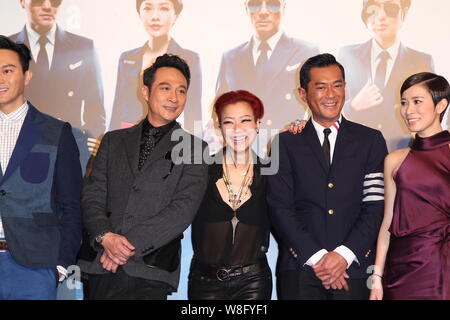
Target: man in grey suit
(65,65)
(376,69)
(145,188)
(267,65)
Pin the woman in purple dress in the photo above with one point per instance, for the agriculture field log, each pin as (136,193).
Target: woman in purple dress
(413,249)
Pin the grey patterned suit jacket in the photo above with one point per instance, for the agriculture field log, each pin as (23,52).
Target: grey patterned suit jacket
(150,207)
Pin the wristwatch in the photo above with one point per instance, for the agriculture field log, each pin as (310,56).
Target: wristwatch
(99,237)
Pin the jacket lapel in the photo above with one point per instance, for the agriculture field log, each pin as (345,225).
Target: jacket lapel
(366,51)
(164,145)
(279,59)
(29,135)
(132,143)
(60,60)
(398,74)
(313,142)
(246,67)
(22,37)
(343,143)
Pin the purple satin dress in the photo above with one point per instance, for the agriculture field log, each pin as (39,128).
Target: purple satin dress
(418,259)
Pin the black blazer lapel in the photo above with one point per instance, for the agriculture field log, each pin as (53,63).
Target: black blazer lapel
(132,141)
(398,74)
(244,70)
(29,135)
(343,143)
(65,56)
(313,142)
(279,59)
(365,57)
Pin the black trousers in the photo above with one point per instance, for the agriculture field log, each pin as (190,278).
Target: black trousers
(252,285)
(304,285)
(120,286)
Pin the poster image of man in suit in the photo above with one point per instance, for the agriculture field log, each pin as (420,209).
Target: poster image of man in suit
(266,65)
(326,201)
(140,198)
(377,68)
(67,81)
(40,188)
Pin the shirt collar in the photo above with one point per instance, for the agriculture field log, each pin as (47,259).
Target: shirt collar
(334,127)
(33,36)
(161,130)
(16,115)
(272,41)
(392,50)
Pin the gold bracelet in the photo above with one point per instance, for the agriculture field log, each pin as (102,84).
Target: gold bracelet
(377,275)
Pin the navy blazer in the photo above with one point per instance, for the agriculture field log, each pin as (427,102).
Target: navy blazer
(73,91)
(129,105)
(312,208)
(40,194)
(278,90)
(386,117)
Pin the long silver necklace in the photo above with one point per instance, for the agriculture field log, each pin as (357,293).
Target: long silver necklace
(234,199)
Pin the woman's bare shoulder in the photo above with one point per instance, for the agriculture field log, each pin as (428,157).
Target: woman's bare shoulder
(395,159)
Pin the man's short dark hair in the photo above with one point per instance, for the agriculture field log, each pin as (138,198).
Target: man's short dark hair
(177,4)
(169,61)
(319,61)
(437,86)
(21,49)
(365,15)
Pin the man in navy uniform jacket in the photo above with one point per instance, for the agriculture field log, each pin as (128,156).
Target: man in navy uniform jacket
(67,81)
(267,65)
(377,68)
(326,201)
(40,187)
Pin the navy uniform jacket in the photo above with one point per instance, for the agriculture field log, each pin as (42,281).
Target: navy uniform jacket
(385,117)
(312,208)
(40,194)
(73,92)
(278,90)
(129,105)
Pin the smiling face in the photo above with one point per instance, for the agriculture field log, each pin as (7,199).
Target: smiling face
(385,19)
(238,126)
(265,16)
(167,96)
(325,95)
(12,81)
(419,112)
(41,15)
(158,17)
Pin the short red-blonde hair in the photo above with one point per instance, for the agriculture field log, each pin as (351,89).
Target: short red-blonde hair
(239,96)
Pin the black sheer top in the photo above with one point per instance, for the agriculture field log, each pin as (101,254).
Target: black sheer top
(212,231)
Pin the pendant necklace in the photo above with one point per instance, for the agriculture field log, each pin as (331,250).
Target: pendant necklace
(234,199)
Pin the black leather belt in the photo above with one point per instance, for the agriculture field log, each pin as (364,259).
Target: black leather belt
(3,246)
(226,273)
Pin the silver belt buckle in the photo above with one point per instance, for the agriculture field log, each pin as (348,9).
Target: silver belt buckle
(223,274)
